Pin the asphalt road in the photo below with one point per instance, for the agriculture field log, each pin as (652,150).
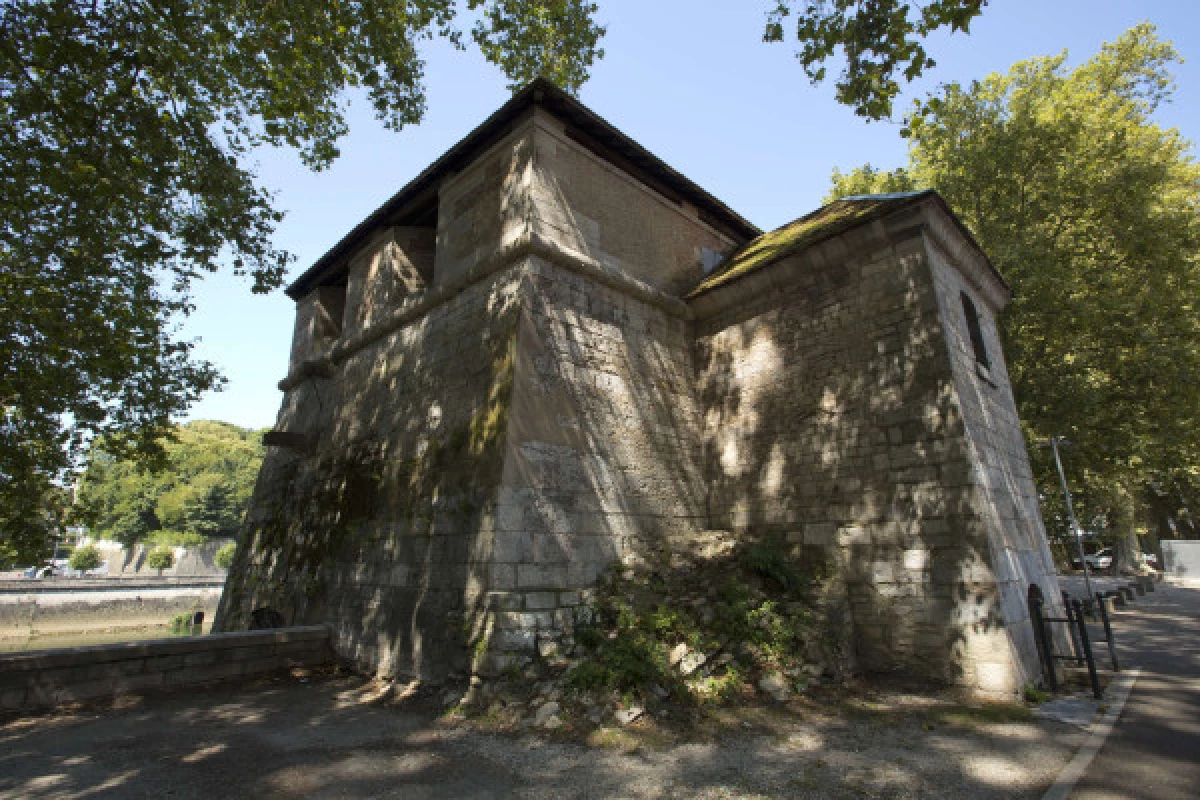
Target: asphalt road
(1154,749)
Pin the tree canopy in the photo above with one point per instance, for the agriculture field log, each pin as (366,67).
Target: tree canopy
(1090,210)
(200,492)
(125,131)
(881,41)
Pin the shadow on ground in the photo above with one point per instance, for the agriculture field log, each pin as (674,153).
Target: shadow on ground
(291,739)
(1152,751)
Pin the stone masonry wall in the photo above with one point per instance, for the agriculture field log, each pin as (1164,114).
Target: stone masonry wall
(382,531)
(493,424)
(591,207)
(394,265)
(603,449)
(831,419)
(43,679)
(485,206)
(1019,553)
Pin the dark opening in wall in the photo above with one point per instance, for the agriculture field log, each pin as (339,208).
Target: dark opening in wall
(972,315)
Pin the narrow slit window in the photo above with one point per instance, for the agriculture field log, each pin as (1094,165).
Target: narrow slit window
(981,354)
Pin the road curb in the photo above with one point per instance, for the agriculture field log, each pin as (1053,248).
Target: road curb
(1121,686)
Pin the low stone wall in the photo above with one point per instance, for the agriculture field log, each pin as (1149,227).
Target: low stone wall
(60,605)
(190,562)
(55,677)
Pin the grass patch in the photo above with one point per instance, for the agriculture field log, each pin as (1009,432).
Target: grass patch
(984,714)
(1034,695)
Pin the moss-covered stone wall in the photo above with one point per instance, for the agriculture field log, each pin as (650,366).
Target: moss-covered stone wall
(382,531)
(834,418)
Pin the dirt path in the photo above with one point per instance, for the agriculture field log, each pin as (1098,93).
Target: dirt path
(319,739)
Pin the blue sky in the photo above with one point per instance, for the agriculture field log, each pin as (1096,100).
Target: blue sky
(691,81)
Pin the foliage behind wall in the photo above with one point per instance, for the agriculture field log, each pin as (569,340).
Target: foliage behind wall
(200,493)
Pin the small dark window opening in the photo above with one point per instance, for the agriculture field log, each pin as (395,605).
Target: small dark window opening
(974,330)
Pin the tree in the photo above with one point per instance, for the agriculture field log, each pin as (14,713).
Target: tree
(1090,210)
(224,556)
(869,180)
(201,488)
(879,38)
(33,517)
(125,134)
(84,558)
(161,558)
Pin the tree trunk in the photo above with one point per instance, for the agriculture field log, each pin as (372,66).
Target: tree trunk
(1126,551)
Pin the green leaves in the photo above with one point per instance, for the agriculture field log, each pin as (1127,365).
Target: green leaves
(553,39)
(124,133)
(84,558)
(878,38)
(201,489)
(1090,210)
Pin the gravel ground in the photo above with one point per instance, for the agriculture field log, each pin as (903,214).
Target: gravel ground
(323,737)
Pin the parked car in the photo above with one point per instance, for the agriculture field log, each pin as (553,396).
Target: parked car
(1100,560)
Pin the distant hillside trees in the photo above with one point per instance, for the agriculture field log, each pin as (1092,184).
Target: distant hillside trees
(200,492)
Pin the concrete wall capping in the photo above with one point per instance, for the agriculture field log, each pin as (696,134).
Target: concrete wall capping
(124,651)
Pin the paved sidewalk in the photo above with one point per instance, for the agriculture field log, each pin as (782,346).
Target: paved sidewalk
(1154,749)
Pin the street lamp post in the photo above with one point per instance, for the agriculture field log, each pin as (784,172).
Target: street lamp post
(1076,531)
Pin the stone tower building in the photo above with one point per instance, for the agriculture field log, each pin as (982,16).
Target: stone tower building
(551,352)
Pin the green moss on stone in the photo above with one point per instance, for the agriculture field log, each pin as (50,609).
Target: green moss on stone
(830,220)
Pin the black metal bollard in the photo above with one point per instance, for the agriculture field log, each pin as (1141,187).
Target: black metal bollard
(1108,634)
(1069,607)
(1087,649)
(1045,648)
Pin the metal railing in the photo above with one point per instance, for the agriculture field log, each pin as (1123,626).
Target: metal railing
(1081,641)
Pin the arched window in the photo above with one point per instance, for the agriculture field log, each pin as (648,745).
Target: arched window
(973,328)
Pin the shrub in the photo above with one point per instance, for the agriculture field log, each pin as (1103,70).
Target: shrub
(224,556)
(767,559)
(1034,695)
(160,559)
(84,558)
(169,538)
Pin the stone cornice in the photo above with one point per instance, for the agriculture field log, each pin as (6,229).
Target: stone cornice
(525,245)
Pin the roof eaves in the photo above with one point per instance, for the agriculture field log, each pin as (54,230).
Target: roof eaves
(540,92)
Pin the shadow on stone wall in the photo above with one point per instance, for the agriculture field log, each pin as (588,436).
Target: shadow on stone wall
(831,420)
(382,533)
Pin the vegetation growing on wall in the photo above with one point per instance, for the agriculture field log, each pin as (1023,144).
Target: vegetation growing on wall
(709,632)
